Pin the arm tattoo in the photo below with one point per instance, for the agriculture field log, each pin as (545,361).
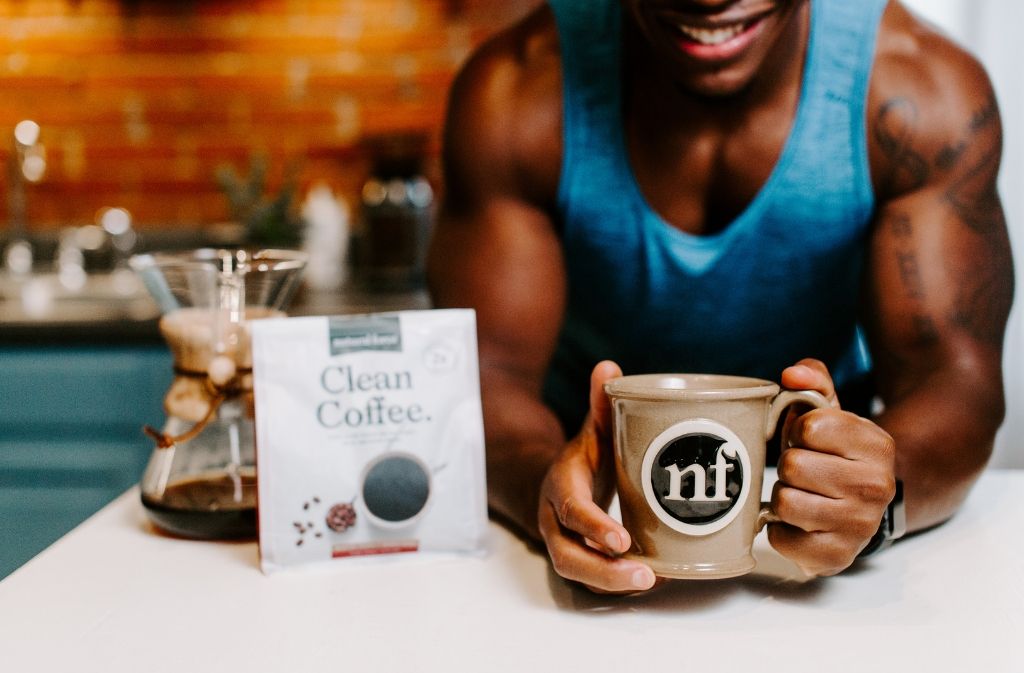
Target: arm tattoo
(910,274)
(973,195)
(906,257)
(925,329)
(985,116)
(894,131)
(901,227)
(985,294)
(981,305)
(984,297)
(951,154)
(982,267)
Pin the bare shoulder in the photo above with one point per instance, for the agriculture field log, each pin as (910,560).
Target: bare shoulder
(931,107)
(503,128)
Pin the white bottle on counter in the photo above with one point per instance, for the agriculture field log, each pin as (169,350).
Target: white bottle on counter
(326,237)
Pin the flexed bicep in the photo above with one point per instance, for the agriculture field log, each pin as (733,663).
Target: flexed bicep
(939,280)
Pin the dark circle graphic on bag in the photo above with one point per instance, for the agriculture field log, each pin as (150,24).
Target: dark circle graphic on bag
(396,488)
(697,478)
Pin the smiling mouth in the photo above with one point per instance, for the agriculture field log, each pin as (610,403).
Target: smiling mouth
(712,36)
(715,41)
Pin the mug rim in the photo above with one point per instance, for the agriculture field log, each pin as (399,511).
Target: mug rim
(646,387)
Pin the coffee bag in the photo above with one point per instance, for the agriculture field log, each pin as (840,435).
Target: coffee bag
(369,437)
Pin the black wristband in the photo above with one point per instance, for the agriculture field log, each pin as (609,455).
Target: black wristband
(892,526)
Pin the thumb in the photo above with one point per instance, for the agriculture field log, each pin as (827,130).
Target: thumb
(811,374)
(600,406)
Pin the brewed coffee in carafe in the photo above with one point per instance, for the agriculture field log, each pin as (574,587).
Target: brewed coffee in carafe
(201,479)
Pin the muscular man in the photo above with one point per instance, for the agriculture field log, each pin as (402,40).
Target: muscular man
(801,190)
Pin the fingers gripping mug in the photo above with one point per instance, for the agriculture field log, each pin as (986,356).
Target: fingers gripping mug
(689,460)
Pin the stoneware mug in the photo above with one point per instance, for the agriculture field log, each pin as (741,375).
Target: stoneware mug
(689,461)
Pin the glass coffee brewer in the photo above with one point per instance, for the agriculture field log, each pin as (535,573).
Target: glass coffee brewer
(201,479)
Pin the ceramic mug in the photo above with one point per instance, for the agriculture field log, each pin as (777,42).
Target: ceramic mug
(689,460)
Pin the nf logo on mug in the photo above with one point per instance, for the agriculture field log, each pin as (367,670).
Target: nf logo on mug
(696,476)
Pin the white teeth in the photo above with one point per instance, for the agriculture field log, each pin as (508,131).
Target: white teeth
(711,36)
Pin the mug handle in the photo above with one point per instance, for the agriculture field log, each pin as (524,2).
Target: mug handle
(779,404)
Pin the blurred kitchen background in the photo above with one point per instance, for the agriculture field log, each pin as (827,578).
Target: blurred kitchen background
(198,117)
(141,104)
(134,125)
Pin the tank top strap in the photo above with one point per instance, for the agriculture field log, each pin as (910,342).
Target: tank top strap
(843,40)
(846,33)
(589,36)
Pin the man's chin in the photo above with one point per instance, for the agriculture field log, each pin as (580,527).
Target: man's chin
(715,85)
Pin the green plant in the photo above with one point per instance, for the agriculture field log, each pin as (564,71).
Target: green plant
(270,220)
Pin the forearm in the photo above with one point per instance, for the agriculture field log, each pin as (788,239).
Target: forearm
(944,429)
(523,437)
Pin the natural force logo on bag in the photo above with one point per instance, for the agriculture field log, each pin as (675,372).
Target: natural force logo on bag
(696,476)
(365,333)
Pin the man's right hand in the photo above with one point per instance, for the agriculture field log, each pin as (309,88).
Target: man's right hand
(582,540)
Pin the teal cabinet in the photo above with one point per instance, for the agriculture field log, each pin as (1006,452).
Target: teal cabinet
(70,435)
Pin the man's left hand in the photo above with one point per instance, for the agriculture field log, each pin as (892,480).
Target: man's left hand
(836,477)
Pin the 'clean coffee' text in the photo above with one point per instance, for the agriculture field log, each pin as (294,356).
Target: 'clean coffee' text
(343,381)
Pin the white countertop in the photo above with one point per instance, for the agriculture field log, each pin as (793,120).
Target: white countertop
(114,596)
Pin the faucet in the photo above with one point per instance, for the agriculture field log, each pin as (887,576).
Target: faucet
(27,164)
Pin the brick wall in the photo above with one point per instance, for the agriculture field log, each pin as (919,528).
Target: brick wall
(140,102)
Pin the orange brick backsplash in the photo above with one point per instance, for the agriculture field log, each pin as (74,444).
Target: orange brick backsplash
(140,102)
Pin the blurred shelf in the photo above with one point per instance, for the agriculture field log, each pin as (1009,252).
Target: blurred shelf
(133,318)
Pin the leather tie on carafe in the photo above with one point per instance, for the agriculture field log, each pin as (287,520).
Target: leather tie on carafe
(219,393)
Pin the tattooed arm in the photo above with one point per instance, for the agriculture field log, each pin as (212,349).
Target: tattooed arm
(940,275)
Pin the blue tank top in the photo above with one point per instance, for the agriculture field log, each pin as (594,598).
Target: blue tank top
(778,284)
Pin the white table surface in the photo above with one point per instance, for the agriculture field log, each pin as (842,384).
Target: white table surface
(114,596)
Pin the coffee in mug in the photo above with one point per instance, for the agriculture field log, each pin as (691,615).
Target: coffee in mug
(689,460)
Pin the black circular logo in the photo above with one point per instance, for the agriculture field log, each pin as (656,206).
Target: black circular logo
(697,478)
(396,488)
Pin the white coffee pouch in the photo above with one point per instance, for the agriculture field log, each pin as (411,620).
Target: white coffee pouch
(369,437)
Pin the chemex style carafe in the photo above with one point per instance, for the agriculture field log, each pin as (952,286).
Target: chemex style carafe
(201,479)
